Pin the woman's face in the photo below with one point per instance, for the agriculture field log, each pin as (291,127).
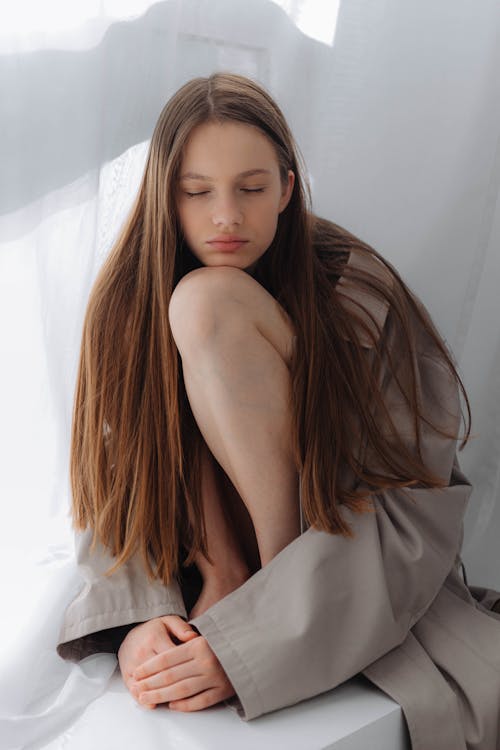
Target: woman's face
(229,187)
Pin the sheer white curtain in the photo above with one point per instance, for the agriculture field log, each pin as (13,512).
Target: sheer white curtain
(395,108)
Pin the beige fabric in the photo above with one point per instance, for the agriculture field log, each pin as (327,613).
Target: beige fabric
(355,299)
(389,603)
(127,596)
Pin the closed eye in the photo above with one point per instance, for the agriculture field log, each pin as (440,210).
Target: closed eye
(244,190)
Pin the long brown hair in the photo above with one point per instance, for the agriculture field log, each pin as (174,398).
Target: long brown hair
(136,448)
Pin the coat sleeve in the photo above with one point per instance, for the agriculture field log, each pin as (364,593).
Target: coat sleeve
(106,608)
(328,606)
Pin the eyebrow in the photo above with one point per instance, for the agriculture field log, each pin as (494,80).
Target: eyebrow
(248,173)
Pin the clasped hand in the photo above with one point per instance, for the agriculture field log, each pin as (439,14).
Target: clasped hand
(187,676)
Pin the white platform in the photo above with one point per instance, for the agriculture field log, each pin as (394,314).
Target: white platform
(354,716)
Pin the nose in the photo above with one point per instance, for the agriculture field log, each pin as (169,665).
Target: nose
(226,211)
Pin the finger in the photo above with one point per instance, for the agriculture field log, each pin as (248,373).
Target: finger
(165,660)
(179,628)
(135,692)
(181,690)
(167,677)
(134,655)
(162,642)
(198,702)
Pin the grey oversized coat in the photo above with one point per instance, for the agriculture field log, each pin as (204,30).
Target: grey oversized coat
(390,602)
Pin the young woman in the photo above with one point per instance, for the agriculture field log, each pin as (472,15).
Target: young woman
(263,464)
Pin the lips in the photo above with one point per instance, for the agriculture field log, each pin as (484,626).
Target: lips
(226,246)
(227,238)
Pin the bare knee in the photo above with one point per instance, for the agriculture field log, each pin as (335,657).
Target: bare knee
(197,301)
(189,310)
(194,303)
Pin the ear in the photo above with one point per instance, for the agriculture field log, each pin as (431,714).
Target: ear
(287,191)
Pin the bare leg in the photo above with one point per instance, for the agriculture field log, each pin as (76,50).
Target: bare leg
(237,382)
(228,568)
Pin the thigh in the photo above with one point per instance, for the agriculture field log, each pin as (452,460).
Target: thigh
(225,287)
